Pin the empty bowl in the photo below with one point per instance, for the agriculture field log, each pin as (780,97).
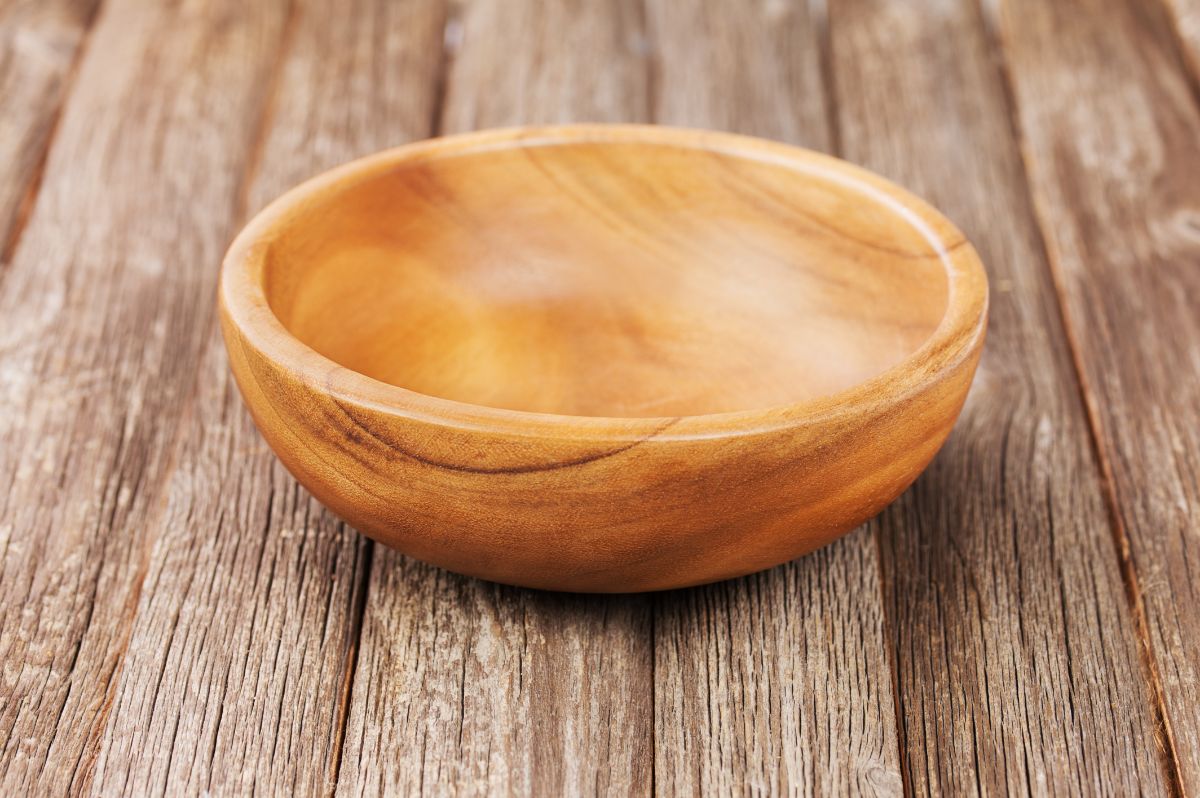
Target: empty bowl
(603,358)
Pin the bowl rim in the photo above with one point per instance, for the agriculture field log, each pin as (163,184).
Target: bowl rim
(959,334)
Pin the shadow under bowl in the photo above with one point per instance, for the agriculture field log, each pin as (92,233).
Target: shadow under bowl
(603,358)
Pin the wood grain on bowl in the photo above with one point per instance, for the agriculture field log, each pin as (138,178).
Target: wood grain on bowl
(603,358)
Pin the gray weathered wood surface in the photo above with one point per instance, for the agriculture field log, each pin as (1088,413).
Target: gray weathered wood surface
(177,616)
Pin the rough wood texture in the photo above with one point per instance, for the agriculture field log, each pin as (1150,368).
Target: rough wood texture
(779,681)
(103,330)
(243,650)
(39,43)
(1117,190)
(1014,647)
(504,690)
(134,494)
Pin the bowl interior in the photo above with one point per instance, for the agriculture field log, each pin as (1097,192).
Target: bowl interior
(607,278)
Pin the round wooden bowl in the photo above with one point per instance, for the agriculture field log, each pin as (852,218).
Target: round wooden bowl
(603,358)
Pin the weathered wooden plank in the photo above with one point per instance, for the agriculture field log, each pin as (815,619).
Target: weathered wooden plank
(464,686)
(1112,145)
(39,44)
(779,681)
(241,655)
(106,313)
(1018,660)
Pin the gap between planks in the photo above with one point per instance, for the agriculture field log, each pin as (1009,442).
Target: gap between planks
(356,626)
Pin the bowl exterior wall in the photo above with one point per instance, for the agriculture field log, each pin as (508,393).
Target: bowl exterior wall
(568,512)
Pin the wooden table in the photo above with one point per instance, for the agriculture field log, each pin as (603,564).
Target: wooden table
(178,616)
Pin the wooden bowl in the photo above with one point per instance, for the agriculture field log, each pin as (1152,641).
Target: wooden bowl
(603,358)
